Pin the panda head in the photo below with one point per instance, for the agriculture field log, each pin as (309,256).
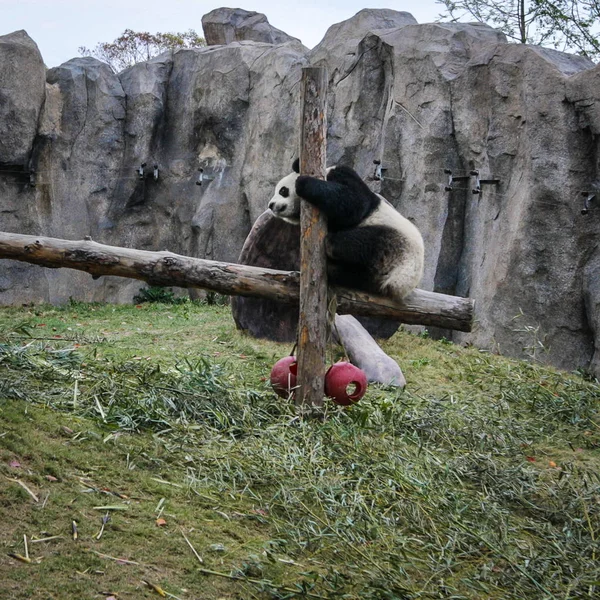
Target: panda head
(285,203)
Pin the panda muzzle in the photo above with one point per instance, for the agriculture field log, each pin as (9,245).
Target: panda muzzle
(275,208)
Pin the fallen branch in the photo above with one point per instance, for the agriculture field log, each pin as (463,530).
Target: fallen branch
(364,352)
(169,269)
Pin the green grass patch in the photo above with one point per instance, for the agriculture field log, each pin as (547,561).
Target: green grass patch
(480,480)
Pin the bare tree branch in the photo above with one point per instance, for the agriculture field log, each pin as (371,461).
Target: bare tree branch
(569,25)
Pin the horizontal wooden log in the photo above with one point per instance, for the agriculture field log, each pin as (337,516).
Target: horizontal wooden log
(169,269)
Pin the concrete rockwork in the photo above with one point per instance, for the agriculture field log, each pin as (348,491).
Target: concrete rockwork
(419,98)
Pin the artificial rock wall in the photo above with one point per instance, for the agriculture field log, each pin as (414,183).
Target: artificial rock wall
(419,98)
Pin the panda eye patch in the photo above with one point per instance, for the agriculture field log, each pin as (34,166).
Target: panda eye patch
(285,192)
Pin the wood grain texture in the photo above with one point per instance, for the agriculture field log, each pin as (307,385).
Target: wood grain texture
(166,268)
(364,352)
(272,244)
(312,318)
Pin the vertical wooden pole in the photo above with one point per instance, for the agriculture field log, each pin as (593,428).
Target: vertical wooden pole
(312,325)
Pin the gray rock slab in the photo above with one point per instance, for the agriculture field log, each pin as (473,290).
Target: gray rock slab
(225,25)
(418,98)
(22,82)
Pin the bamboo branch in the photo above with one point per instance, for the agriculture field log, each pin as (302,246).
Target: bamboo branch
(169,269)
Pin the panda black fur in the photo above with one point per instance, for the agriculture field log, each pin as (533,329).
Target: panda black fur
(370,246)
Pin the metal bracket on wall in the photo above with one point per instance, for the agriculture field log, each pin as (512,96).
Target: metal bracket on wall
(480,182)
(379,169)
(588,198)
(202,177)
(378,173)
(452,178)
(18,172)
(144,174)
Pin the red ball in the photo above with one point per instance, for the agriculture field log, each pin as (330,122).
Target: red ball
(283,376)
(345,384)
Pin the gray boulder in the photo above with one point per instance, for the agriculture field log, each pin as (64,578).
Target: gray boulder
(225,25)
(525,242)
(418,98)
(78,156)
(360,68)
(22,81)
(212,109)
(581,96)
(339,49)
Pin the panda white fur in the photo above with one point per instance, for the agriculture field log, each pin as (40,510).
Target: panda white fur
(370,246)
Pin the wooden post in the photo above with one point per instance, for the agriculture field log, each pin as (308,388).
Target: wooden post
(312,323)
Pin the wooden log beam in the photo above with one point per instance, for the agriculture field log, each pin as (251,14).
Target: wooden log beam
(168,269)
(312,319)
(364,352)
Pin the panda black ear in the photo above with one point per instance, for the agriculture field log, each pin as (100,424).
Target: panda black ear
(296,166)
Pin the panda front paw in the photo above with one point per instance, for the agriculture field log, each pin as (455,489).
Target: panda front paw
(303,185)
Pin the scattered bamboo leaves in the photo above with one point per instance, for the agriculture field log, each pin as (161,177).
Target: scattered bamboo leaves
(199,558)
(298,590)
(25,487)
(480,480)
(46,539)
(155,588)
(160,591)
(20,557)
(104,521)
(122,561)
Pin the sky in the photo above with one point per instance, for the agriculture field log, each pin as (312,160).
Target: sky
(60,27)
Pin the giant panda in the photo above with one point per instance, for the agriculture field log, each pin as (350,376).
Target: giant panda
(370,246)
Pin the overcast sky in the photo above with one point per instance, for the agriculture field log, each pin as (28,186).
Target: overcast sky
(60,27)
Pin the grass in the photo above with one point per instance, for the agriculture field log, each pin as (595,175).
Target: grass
(480,480)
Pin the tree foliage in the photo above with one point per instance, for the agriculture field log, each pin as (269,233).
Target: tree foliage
(568,25)
(137,46)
